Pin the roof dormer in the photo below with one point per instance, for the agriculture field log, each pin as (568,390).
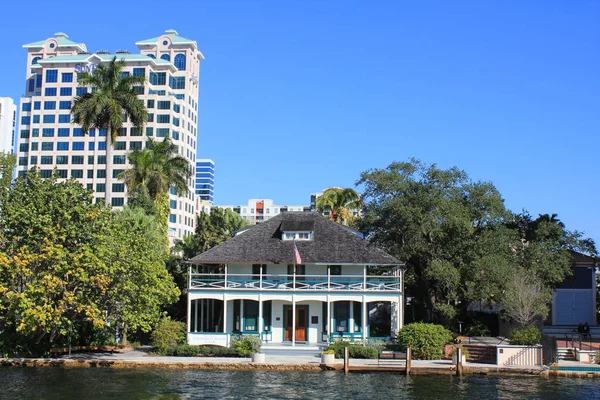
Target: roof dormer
(297,230)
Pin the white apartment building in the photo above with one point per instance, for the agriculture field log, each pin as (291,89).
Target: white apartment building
(8,123)
(260,210)
(48,139)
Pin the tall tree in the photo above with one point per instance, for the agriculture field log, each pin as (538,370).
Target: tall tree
(111,100)
(7,165)
(155,169)
(340,203)
(437,222)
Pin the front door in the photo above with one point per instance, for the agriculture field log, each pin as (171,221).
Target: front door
(301,323)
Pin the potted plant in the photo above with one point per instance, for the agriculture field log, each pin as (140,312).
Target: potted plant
(464,353)
(327,357)
(249,346)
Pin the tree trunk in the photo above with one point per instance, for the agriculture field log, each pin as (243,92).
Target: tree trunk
(124,335)
(109,169)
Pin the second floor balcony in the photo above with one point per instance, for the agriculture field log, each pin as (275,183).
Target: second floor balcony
(304,283)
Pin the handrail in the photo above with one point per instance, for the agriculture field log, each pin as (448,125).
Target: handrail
(333,277)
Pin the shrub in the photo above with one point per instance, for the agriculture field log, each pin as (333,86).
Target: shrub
(527,336)
(478,328)
(355,350)
(184,350)
(426,341)
(246,345)
(168,333)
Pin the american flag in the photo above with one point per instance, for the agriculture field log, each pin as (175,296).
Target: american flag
(297,258)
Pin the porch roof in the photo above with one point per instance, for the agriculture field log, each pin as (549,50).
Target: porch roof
(332,244)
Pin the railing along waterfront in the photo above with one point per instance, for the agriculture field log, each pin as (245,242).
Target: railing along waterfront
(295,282)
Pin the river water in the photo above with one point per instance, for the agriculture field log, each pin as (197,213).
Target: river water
(83,383)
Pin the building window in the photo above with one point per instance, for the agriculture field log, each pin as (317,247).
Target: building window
(37,105)
(50,91)
(78,146)
(48,132)
(151,55)
(139,71)
(45,173)
(120,146)
(67,77)
(33,160)
(64,105)
(36,119)
(35,60)
(158,78)
(149,131)
(150,117)
(77,160)
(77,173)
(117,201)
(118,159)
(101,145)
(22,160)
(62,159)
(179,62)
(26,107)
(164,105)
(66,91)
(25,120)
(162,132)
(122,132)
(175,135)
(47,146)
(34,146)
(90,173)
(101,174)
(80,91)
(100,187)
(173,204)
(135,145)
(165,57)
(63,132)
(177,82)
(135,132)
(163,118)
(49,105)
(172,218)
(175,121)
(176,108)
(118,187)
(51,75)
(63,146)
(77,132)
(64,118)
(116,173)
(62,173)
(91,146)
(24,147)
(150,104)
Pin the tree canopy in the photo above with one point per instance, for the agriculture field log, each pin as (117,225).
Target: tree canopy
(340,204)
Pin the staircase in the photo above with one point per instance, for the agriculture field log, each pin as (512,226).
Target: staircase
(565,354)
(480,353)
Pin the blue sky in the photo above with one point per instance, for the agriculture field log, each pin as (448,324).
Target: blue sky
(297,96)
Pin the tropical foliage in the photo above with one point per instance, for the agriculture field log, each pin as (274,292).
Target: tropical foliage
(340,204)
(461,245)
(73,269)
(110,100)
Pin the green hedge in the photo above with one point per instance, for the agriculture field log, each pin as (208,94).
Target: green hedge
(185,350)
(528,336)
(168,333)
(426,341)
(356,350)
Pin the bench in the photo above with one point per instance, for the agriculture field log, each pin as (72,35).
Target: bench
(389,355)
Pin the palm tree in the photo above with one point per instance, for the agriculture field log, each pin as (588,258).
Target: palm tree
(155,169)
(340,203)
(112,98)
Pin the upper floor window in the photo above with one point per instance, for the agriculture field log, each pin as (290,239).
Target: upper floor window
(35,60)
(66,91)
(50,91)
(297,235)
(179,62)
(139,71)
(67,77)
(165,57)
(51,75)
(158,78)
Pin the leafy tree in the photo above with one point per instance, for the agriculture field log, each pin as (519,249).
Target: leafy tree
(441,224)
(426,341)
(133,250)
(112,97)
(525,298)
(50,273)
(155,169)
(340,204)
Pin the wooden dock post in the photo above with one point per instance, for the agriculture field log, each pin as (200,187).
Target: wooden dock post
(459,364)
(408,358)
(346,359)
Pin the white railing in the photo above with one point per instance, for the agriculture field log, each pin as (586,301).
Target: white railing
(362,283)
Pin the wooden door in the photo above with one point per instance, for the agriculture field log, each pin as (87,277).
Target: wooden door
(301,323)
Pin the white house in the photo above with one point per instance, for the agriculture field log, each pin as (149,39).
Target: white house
(254,284)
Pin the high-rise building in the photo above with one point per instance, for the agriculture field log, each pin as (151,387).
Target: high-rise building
(8,122)
(260,210)
(205,179)
(48,139)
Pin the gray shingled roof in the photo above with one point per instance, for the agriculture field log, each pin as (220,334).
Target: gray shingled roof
(332,243)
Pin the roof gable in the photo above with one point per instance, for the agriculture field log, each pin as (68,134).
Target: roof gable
(262,243)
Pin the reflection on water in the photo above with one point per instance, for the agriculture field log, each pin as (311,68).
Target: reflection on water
(59,383)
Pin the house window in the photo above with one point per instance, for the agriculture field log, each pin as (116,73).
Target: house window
(250,316)
(335,269)
(256,269)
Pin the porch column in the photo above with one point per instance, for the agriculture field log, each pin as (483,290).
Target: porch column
(260,316)
(293,320)
(241,328)
(225,314)
(401,312)
(328,325)
(364,318)
(196,315)
(189,313)
(351,319)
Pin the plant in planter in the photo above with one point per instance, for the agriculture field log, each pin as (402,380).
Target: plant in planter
(464,352)
(327,356)
(249,346)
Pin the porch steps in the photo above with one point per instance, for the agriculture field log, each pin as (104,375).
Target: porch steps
(565,354)
(481,353)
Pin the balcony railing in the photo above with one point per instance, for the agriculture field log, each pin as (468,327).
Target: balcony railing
(295,282)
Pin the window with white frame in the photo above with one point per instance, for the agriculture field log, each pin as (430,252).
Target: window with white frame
(297,235)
